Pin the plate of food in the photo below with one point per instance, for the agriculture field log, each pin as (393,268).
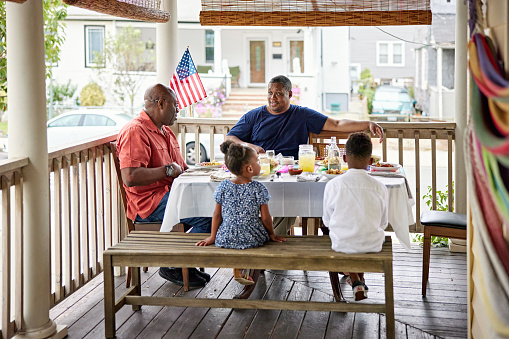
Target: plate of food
(385,167)
(332,173)
(209,165)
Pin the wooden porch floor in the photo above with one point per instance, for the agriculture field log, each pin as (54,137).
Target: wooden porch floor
(443,314)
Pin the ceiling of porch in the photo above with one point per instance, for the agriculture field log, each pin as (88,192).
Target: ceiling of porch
(315,13)
(275,12)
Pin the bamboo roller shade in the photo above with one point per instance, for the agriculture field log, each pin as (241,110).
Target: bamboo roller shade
(315,12)
(143,10)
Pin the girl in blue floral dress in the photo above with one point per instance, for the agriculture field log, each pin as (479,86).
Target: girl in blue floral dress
(236,222)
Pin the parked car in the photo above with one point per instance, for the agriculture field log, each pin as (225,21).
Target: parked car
(392,103)
(83,124)
(204,148)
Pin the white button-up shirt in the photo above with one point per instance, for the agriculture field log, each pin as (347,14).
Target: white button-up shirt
(355,208)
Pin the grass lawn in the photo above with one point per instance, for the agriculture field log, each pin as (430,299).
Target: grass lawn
(3,128)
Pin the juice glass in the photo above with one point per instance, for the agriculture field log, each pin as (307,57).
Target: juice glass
(307,163)
(264,164)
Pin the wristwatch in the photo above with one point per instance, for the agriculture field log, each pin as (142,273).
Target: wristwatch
(169,170)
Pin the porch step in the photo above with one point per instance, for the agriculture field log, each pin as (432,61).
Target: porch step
(242,100)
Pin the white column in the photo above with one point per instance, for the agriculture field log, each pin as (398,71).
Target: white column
(168,55)
(27,138)
(460,102)
(309,50)
(439,82)
(218,55)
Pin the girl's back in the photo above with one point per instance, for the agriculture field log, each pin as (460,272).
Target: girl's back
(241,227)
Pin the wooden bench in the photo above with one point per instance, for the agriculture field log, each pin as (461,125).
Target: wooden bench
(308,253)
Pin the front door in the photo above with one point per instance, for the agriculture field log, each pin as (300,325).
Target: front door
(257,62)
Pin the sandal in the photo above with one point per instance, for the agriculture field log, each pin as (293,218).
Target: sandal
(359,290)
(242,276)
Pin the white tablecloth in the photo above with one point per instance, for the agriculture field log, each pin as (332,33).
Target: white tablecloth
(192,196)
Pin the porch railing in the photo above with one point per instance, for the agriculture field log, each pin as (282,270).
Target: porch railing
(86,215)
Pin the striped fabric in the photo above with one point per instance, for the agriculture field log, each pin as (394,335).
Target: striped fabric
(186,82)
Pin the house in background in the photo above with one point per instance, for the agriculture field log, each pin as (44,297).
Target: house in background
(434,66)
(386,51)
(315,58)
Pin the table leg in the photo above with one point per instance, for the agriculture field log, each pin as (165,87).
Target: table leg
(136,284)
(389,301)
(109,298)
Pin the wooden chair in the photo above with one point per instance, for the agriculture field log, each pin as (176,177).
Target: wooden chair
(135,225)
(439,224)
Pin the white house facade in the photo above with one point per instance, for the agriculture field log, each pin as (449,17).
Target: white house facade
(316,59)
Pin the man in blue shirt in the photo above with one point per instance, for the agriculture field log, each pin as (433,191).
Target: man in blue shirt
(283,127)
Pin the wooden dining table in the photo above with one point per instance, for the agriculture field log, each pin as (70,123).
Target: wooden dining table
(191,195)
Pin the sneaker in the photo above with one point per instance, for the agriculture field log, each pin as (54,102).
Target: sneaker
(204,275)
(359,290)
(175,276)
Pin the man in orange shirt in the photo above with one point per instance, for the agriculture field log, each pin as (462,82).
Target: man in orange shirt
(150,159)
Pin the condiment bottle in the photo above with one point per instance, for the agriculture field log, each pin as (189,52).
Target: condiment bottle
(333,155)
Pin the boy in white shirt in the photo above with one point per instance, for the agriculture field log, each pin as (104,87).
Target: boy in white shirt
(355,208)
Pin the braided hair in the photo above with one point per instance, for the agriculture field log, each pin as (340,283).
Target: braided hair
(235,156)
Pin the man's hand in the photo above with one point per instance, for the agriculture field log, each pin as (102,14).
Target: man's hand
(258,149)
(177,168)
(206,242)
(277,238)
(376,130)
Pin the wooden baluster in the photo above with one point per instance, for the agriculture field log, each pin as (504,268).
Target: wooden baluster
(56,228)
(18,236)
(183,141)
(417,181)
(212,155)
(400,146)
(197,151)
(85,267)
(99,164)
(75,222)
(7,330)
(107,197)
(449,170)
(66,227)
(434,169)
(384,146)
(92,215)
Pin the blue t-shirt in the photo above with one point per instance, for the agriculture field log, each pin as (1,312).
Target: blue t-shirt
(282,133)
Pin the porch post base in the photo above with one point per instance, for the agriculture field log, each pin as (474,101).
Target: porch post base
(50,330)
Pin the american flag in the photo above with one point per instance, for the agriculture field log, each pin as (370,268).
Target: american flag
(186,82)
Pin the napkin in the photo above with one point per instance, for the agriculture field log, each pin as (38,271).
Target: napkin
(310,178)
(221,175)
(394,175)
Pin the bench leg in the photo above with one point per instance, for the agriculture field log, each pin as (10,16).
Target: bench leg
(389,301)
(425,259)
(137,284)
(336,287)
(304,226)
(109,299)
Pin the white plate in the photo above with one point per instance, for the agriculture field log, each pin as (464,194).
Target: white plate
(262,172)
(204,167)
(330,176)
(393,168)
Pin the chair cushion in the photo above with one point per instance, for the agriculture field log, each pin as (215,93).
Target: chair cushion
(445,219)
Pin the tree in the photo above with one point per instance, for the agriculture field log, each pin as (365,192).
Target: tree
(124,59)
(54,11)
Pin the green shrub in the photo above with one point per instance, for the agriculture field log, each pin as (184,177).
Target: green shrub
(442,205)
(92,95)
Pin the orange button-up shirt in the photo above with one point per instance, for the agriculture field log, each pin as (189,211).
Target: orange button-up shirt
(141,144)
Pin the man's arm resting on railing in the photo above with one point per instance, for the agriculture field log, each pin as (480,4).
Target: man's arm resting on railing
(345,125)
(234,139)
(142,176)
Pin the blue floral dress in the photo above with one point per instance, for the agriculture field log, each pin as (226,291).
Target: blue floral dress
(240,207)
